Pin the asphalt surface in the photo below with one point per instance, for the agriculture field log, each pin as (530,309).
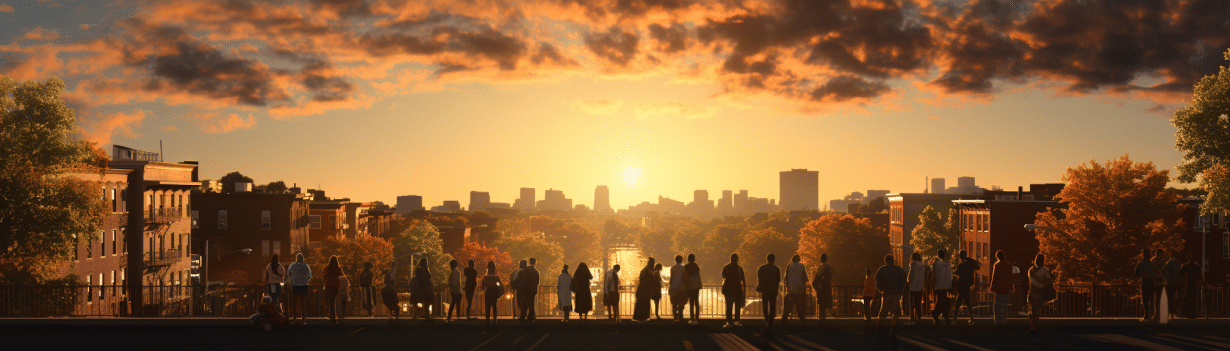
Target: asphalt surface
(379,334)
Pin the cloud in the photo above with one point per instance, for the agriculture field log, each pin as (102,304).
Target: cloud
(673,109)
(614,46)
(6,8)
(230,123)
(38,33)
(101,128)
(598,107)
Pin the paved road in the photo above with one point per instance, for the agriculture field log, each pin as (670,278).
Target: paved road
(655,335)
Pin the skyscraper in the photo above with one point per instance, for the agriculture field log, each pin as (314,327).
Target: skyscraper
(526,202)
(408,203)
(602,199)
(479,200)
(965,182)
(800,190)
(937,185)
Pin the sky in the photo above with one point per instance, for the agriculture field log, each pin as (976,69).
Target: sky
(375,99)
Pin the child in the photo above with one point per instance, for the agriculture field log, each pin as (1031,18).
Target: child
(270,309)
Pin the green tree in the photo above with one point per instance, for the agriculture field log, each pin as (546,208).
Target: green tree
(228,181)
(656,242)
(933,233)
(550,255)
(421,236)
(715,250)
(761,242)
(852,245)
(1204,136)
(43,213)
(277,187)
(1113,211)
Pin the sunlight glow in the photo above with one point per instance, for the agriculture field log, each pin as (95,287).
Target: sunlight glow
(631,175)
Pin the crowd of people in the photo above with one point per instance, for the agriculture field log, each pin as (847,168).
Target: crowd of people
(891,286)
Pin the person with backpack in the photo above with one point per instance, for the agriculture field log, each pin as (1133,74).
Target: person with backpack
(275,275)
(366,295)
(734,287)
(610,292)
(1040,279)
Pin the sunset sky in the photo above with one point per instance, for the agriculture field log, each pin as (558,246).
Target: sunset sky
(375,99)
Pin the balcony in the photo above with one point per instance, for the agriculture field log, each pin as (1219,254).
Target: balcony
(163,215)
(156,260)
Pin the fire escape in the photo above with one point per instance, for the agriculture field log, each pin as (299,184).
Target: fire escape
(157,260)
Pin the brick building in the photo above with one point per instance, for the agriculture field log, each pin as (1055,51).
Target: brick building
(326,217)
(268,224)
(99,260)
(903,210)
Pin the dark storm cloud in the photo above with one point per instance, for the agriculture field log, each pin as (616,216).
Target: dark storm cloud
(670,39)
(844,88)
(486,43)
(614,46)
(548,53)
(200,69)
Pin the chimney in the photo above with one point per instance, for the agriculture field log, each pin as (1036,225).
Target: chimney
(1020,192)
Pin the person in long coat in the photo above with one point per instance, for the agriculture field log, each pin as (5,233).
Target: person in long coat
(563,291)
(644,291)
(580,288)
(388,294)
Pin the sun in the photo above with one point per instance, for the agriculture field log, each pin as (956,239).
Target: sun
(631,175)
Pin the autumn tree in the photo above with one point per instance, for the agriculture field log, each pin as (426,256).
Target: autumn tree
(421,236)
(933,233)
(852,245)
(761,242)
(228,181)
(1113,211)
(715,249)
(43,213)
(523,246)
(481,254)
(351,253)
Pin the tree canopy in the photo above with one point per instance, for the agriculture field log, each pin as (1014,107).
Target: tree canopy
(933,233)
(852,245)
(1113,211)
(228,181)
(481,254)
(523,246)
(1204,137)
(277,187)
(421,236)
(351,253)
(761,242)
(43,214)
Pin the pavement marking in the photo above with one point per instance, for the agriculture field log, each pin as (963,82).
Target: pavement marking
(485,342)
(972,346)
(785,343)
(544,337)
(728,342)
(810,344)
(919,343)
(1175,339)
(357,331)
(518,339)
(1127,340)
(1222,345)
(687,345)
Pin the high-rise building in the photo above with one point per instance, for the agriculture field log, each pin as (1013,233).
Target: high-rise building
(965,182)
(408,203)
(527,200)
(937,185)
(726,202)
(602,199)
(479,200)
(554,200)
(740,201)
(799,190)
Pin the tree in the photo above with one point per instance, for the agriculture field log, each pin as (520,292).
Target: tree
(1204,135)
(932,233)
(550,255)
(481,254)
(852,245)
(421,236)
(1216,180)
(656,242)
(277,187)
(616,232)
(228,181)
(43,213)
(351,253)
(1113,211)
(580,244)
(761,242)
(715,249)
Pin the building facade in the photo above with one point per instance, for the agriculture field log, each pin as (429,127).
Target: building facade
(408,203)
(479,200)
(267,224)
(903,209)
(799,190)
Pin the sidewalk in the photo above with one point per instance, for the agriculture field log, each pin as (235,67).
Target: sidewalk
(831,321)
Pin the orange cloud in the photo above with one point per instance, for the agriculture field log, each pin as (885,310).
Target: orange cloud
(598,107)
(100,129)
(38,33)
(230,123)
(6,8)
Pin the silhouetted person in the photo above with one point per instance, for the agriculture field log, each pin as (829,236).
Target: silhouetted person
(454,290)
(1191,274)
(678,289)
(299,274)
(514,282)
(822,283)
(275,275)
(869,293)
(942,275)
(332,272)
(644,291)
(966,274)
(1039,278)
(890,282)
(610,293)
(424,290)
(580,288)
(1146,272)
(1001,285)
(343,296)
(1159,282)
(1170,272)
(493,289)
(471,283)
(694,286)
(563,292)
(917,281)
(366,294)
(656,294)
(528,292)
(796,289)
(734,285)
(768,282)
(388,294)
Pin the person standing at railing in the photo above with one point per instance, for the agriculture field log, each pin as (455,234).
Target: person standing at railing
(966,271)
(454,291)
(1159,282)
(471,283)
(514,284)
(1001,285)
(365,288)
(890,282)
(917,282)
(796,289)
(493,289)
(768,282)
(527,291)
(734,286)
(275,275)
(644,291)
(1039,278)
(822,283)
(1146,272)
(424,290)
(1170,272)
(580,286)
(563,292)
(1190,272)
(610,293)
(299,274)
(343,296)
(942,275)
(694,286)
(388,293)
(869,294)
(332,272)
(678,289)
(655,295)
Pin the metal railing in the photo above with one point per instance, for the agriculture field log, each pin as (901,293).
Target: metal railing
(184,300)
(163,214)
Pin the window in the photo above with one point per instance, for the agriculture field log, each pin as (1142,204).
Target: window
(315,221)
(196,216)
(113,288)
(101,292)
(986,250)
(115,206)
(89,288)
(89,252)
(264,248)
(181,203)
(114,238)
(277,247)
(124,238)
(102,244)
(266,220)
(986,221)
(221,219)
